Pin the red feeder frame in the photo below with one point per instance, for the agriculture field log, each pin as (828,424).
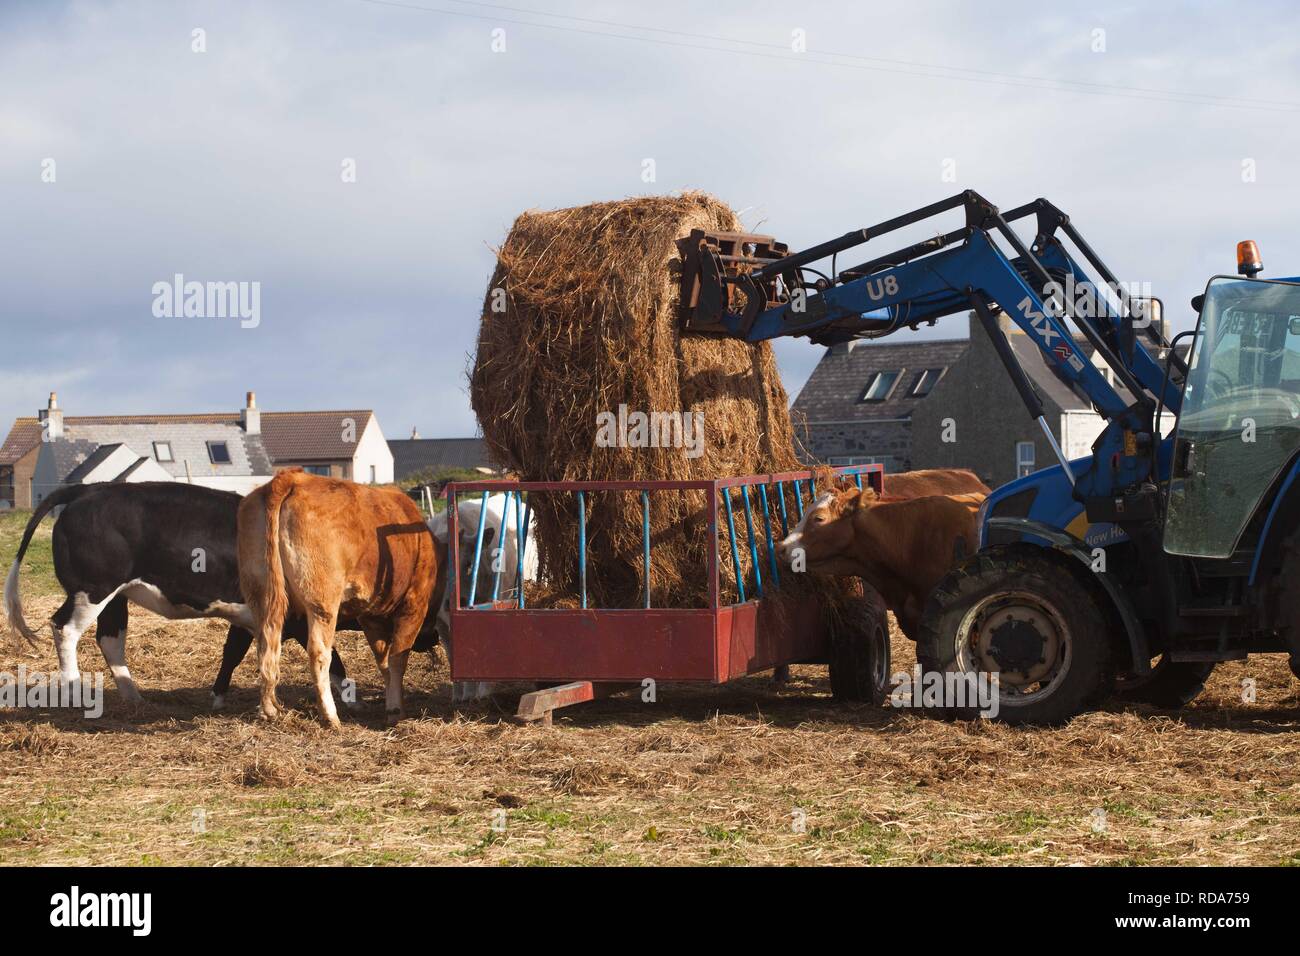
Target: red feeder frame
(595,650)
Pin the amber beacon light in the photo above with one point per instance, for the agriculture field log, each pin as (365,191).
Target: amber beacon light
(1248,260)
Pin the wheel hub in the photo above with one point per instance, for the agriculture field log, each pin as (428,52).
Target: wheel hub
(1018,637)
(1016,645)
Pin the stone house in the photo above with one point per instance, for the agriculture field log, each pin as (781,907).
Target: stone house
(941,404)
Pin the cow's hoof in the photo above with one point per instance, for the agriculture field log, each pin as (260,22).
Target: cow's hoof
(332,723)
(218,702)
(394,717)
(269,712)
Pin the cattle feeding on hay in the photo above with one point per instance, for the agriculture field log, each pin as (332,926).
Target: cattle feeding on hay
(322,547)
(166,546)
(901,546)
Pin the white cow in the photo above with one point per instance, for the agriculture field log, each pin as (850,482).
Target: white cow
(499,550)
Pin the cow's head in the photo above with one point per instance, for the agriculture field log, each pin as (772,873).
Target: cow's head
(823,541)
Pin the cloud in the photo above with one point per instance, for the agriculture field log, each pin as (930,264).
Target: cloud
(226,165)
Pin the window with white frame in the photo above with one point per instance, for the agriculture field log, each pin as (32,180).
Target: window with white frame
(880,385)
(1024,458)
(926,379)
(162,451)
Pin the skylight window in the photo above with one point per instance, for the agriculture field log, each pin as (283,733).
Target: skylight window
(162,451)
(925,381)
(218,453)
(880,385)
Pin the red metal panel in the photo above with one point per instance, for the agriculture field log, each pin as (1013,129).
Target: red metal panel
(754,638)
(711,569)
(562,644)
(633,644)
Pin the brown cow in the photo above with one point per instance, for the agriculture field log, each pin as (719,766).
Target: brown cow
(933,481)
(326,548)
(901,546)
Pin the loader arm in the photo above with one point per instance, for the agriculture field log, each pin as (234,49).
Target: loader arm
(774,293)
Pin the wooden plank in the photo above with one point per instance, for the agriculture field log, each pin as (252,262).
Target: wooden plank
(538,705)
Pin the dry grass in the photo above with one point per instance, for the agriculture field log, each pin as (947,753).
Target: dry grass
(705,775)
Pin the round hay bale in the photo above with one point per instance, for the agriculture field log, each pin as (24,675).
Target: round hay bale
(580,318)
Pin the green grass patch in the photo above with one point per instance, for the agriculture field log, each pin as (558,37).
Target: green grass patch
(37,576)
(1023,821)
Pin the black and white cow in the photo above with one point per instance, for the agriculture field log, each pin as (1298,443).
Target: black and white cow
(169,547)
(499,549)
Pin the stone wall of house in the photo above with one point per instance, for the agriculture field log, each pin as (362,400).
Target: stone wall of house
(890,440)
(987,417)
(24,472)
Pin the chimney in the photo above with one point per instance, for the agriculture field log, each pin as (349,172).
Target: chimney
(51,419)
(415,433)
(250,417)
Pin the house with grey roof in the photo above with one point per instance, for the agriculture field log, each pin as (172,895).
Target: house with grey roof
(415,455)
(857,406)
(235,450)
(215,454)
(941,404)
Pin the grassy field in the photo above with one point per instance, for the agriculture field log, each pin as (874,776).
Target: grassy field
(738,774)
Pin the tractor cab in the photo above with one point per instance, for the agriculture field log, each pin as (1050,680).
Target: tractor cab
(1240,421)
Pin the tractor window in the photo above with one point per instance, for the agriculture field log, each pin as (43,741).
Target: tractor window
(1240,422)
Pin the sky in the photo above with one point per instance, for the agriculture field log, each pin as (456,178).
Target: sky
(127,156)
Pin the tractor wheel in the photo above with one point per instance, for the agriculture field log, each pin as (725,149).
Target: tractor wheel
(1170,685)
(1286,604)
(1022,613)
(859,649)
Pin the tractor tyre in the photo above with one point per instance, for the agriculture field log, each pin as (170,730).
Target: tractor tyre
(859,649)
(1286,600)
(1025,614)
(1170,685)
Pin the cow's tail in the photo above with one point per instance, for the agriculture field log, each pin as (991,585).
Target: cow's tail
(13,600)
(276,599)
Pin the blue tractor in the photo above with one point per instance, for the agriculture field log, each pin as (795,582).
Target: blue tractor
(1132,571)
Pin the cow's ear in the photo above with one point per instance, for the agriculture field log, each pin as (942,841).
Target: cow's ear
(865,498)
(488,534)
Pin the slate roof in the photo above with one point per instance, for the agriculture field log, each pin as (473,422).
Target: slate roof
(91,462)
(833,391)
(85,446)
(69,454)
(416,454)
